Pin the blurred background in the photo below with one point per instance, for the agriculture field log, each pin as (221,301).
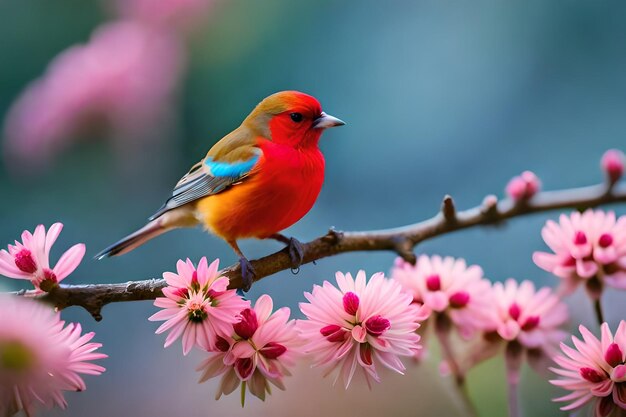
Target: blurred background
(106,104)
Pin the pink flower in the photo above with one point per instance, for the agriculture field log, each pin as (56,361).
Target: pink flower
(524,186)
(530,317)
(448,286)
(197,305)
(594,371)
(123,78)
(526,322)
(258,351)
(612,164)
(588,247)
(360,325)
(173,14)
(39,358)
(30,258)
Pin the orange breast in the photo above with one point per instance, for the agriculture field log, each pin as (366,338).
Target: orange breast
(280,192)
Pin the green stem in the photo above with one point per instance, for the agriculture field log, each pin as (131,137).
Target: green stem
(243,393)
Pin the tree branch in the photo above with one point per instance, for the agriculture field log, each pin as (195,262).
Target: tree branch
(401,240)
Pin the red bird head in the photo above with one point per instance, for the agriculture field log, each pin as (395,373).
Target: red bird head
(292,118)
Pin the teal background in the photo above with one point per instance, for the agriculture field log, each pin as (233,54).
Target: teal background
(440,98)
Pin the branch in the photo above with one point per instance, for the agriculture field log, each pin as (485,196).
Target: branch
(401,240)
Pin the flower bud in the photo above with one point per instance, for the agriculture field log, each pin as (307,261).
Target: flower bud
(524,186)
(613,165)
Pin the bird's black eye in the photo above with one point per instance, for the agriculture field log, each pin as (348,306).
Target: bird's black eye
(296,117)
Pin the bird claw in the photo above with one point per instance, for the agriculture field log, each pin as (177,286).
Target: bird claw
(247,274)
(296,253)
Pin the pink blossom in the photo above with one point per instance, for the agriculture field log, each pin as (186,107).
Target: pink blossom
(30,258)
(524,186)
(588,247)
(173,14)
(594,371)
(527,323)
(39,357)
(449,287)
(360,325)
(527,316)
(123,78)
(612,164)
(197,305)
(258,351)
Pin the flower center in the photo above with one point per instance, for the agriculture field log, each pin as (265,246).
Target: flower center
(605,240)
(459,299)
(196,312)
(433,283)
(530,323)
(514,311)
(14,356)
(25,262)
(49,280)
(580,238)
(571,261)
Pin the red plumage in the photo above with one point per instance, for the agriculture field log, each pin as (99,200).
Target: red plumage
(258,180)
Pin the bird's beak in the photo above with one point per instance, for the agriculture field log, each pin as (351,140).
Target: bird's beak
(326,120)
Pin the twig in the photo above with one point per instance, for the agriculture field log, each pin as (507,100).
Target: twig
(401,240)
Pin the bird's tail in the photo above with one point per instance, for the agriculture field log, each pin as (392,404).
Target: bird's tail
(134,240)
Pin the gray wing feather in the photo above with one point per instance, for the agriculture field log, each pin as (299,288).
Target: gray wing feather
(195,185)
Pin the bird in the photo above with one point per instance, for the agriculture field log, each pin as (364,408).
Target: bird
(255,182)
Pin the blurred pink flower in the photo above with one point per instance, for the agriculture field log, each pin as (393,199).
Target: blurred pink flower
(39,358)
(30,259)
(197,305)
(123,77)
(594,371)
(527,322)
(173,14)
(359,325)
(524,186)
(262,347)
(588,247)
(530,317)
(448,286)
(612,164)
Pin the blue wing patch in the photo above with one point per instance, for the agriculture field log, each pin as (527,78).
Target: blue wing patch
(198,183)
(232,170)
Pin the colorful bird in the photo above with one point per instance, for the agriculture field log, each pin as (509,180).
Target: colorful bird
(256,181)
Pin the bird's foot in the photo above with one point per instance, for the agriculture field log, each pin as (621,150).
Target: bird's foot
(296,254)
(247,274)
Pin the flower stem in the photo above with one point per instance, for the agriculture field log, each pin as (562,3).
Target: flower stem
(513,361)
(243,393)
(597,305)
(442,330)
(513,400)
(594,288)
